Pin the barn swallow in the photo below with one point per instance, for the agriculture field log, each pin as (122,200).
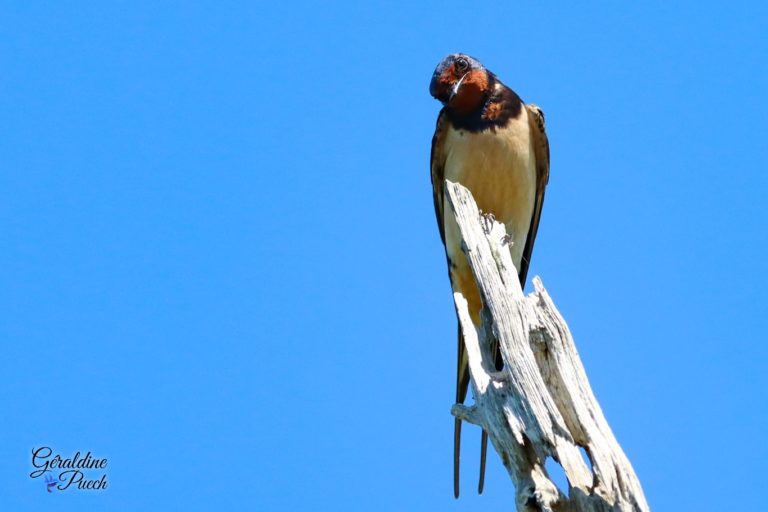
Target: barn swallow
(495,145)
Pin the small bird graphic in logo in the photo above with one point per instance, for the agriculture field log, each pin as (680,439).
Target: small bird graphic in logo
(50,482)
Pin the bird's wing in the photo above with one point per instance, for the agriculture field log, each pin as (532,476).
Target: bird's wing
(541,153)
(437,165)
(437,168)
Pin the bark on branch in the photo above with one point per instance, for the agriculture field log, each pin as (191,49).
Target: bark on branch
(540,405)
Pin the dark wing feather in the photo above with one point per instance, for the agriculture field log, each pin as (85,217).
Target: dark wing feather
(437,165)
(437,168)
(541,151)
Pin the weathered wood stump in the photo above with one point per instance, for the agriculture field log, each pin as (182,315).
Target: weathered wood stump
(540,405)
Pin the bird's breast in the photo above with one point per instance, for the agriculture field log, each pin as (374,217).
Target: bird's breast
(499,168)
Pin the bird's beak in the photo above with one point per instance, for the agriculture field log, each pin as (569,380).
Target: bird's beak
(456,87)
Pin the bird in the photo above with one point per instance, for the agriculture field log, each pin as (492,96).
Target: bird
(491,142)
(50,482)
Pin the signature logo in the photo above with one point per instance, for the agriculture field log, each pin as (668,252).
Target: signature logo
(65,473)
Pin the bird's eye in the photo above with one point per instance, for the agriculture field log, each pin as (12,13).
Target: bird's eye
(461,64)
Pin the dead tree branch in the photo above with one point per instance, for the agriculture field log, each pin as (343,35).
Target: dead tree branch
(540,405)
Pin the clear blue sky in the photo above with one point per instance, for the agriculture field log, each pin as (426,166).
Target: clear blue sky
(220,267)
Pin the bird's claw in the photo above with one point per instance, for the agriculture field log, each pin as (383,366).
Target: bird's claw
(488,220)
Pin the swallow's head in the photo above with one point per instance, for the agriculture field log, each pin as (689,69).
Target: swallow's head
(460,83)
